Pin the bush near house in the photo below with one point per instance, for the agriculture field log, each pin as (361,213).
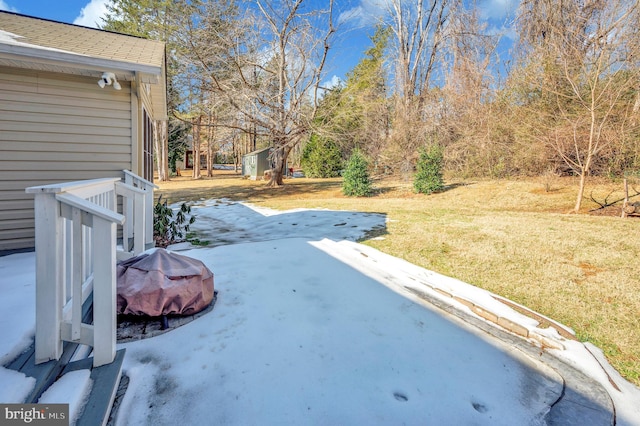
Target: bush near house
(168,229)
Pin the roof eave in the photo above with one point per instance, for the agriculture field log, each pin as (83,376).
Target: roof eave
(74,60)
(150,74)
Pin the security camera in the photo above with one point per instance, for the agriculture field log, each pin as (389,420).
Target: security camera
(106,80)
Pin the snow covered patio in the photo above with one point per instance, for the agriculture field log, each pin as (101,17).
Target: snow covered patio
(311,328)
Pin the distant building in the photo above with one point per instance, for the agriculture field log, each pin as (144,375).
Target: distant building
(255,163)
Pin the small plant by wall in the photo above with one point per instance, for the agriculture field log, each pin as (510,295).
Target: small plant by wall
(169,228)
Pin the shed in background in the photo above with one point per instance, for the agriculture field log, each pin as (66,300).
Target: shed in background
(255,163)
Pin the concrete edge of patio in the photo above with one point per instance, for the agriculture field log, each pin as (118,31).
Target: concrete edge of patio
(583,401)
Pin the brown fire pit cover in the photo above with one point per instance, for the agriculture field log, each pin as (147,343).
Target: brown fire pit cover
(163,283)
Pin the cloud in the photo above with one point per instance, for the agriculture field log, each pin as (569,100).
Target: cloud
(5,6)
(506,31)
(335,81)
(498,9)
(91,15)
(366,14)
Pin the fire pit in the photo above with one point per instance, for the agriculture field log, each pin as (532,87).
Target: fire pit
(162,284)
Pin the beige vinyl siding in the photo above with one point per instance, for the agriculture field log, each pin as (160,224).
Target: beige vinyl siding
(55,128)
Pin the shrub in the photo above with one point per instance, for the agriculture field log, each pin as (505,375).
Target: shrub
(168,229)
(321,158)
(428,177)
(356,176)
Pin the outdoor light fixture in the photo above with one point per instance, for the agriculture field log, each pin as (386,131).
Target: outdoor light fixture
(108,78)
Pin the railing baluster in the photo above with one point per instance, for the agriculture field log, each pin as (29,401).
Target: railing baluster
(76,273)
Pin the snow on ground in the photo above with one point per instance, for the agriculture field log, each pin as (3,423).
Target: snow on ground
(297,337)
(311,329)
(17,275)
(223,222)
(73,388)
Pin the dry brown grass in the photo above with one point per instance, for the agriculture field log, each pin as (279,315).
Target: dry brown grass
(512,237)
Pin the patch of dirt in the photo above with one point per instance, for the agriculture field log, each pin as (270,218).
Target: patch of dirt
(589,270)
(614,211)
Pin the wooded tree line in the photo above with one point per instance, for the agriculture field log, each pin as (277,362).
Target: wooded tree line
(565,101)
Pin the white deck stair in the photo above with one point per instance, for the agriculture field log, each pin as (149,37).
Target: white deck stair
(77,229)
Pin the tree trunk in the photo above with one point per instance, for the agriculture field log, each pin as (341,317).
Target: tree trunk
(159,151)
(583,178)
(196,148)
(584,172)
(279,163)
(156,148)
(210,135)
(164,146)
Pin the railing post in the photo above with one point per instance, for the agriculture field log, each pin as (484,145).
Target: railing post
(104,291)
(128,209)
(148,218)
(139,243)
(49,277)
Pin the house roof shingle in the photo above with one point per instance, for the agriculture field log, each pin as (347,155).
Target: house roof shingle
(74,39)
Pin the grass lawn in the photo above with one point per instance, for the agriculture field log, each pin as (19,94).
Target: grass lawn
(515,238)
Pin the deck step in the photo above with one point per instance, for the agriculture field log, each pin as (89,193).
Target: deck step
(45,374)
(105,378)
(48,372)
(105,381)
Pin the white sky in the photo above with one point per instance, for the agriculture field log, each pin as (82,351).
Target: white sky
(315,330)
(498,9)
(91,14)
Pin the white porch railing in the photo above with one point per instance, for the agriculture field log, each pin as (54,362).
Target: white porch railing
(76,252)
(136,181)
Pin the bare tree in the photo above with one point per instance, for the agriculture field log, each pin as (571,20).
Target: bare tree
(585,73)
(419,29)
(467,120)
(211,134)
(274,71)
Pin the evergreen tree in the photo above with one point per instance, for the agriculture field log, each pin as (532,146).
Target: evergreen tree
(178,132)
(321,158)
(356,176)
(355,113)
(428,177)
